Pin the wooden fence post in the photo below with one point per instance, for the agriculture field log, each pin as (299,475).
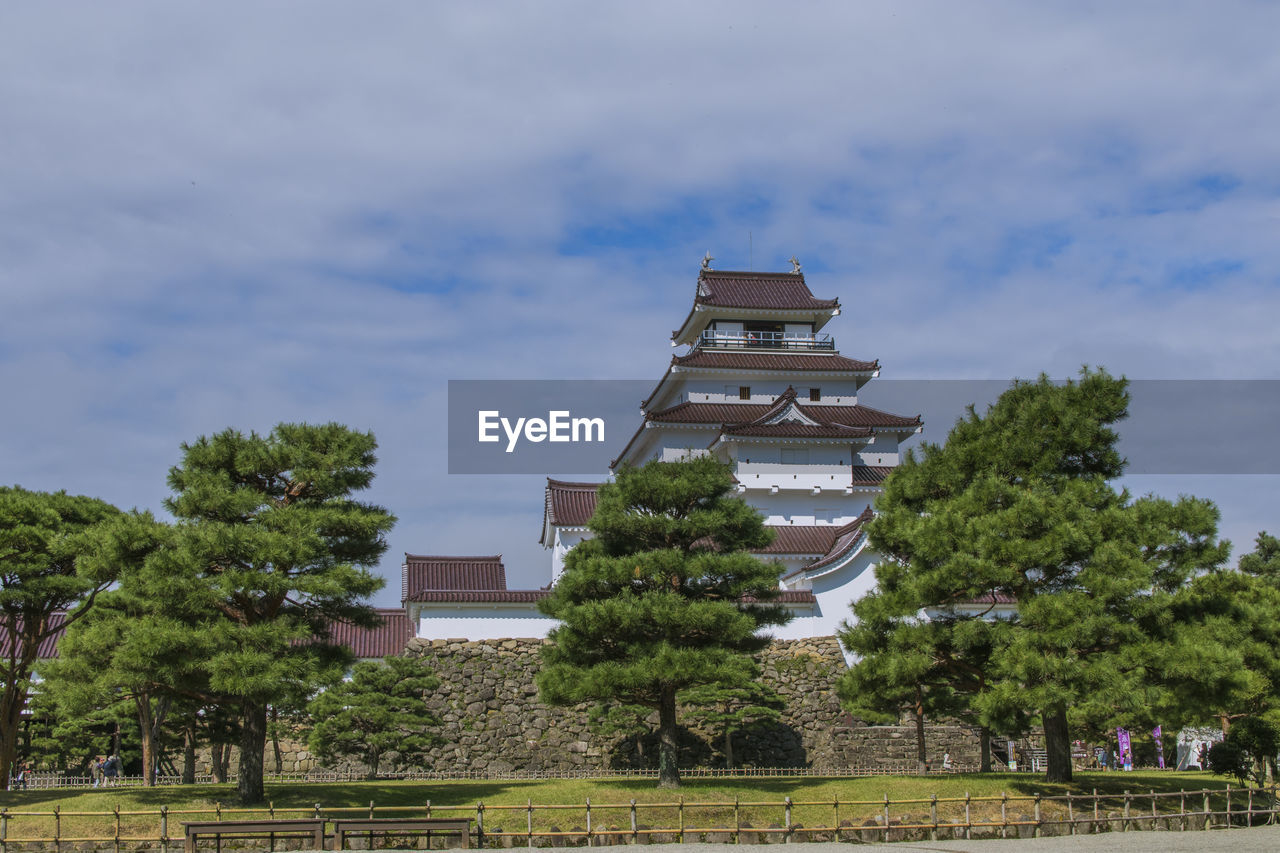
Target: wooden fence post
(529,805)
(164,827)
(886,817)
(933,817)
(1004,814)
(1035,830)
(480,823)
(589,821)
(1124,822)
(1207,817)
(1071,816)
(1228,805)
(787,820)
(967,822)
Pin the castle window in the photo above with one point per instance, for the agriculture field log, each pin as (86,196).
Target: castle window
(815,395)
(744,392)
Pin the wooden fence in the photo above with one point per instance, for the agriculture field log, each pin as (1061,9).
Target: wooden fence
(738,821)
(56,780)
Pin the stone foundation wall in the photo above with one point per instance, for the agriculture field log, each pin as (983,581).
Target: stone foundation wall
(493,721)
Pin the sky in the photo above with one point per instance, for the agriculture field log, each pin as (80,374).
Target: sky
(240,214)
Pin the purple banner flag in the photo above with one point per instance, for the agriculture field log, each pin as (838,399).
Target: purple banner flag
(1126,748)
(1155,733)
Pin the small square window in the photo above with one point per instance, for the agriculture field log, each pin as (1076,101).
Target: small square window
(744,392)
(815,395)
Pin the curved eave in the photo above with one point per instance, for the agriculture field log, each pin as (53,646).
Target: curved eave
(858,545)
(647,425)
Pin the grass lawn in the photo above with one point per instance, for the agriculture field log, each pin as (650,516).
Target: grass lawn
(90,814)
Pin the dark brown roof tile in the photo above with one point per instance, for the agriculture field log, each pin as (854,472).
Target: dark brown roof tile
(782,291)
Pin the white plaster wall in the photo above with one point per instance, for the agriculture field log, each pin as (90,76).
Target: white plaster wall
(565,539)
(835,592)
(723,388)
(483,622)
(791,508)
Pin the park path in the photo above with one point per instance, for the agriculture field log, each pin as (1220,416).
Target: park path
(1258,839)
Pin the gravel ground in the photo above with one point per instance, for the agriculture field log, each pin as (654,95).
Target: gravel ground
(1259,839)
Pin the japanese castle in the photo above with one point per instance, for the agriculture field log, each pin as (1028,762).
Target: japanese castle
(761,386)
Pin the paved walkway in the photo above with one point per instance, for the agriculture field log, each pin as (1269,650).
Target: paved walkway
(1258,839)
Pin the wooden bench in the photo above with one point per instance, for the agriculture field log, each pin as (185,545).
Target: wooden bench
(304,828)
(342,827)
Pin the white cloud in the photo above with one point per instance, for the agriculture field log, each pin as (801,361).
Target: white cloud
(252,213)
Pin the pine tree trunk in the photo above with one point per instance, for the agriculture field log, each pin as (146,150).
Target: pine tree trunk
(275,741)
(1057,745)
(253,746)
(668,770)
(10,719)
(217,766)
(728,749)
(984,749)
(189,754)
(922,755)
(373,760)
(147,731)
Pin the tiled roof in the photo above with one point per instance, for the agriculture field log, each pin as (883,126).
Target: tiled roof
(846,538)
(782,291)
(389,638)
(772,361)
(431,573)
(801,539)
(991,598)
(791,596)
(48,647)
(570,504)
(797,430)
(870,475)
(495,596)
(739,413)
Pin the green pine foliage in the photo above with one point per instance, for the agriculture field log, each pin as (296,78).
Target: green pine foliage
(732,709)
(381,710)
(52,558)
(663,598)
(1248,752)
(130,649)
(1020,502)
(270,548)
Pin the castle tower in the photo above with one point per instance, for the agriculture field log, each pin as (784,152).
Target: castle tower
(762,386)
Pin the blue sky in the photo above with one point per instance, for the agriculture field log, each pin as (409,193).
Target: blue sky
(317,211)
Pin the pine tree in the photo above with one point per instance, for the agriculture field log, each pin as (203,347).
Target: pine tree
(269,550)
(131,648)
(1019,503)
(663,598)
(53,560)
(732,708)
(382,709)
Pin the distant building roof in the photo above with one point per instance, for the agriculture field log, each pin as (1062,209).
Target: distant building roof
(48,647)
(388,638)
(760,290)
(434,573)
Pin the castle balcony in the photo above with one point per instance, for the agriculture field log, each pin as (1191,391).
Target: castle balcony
(720,339)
